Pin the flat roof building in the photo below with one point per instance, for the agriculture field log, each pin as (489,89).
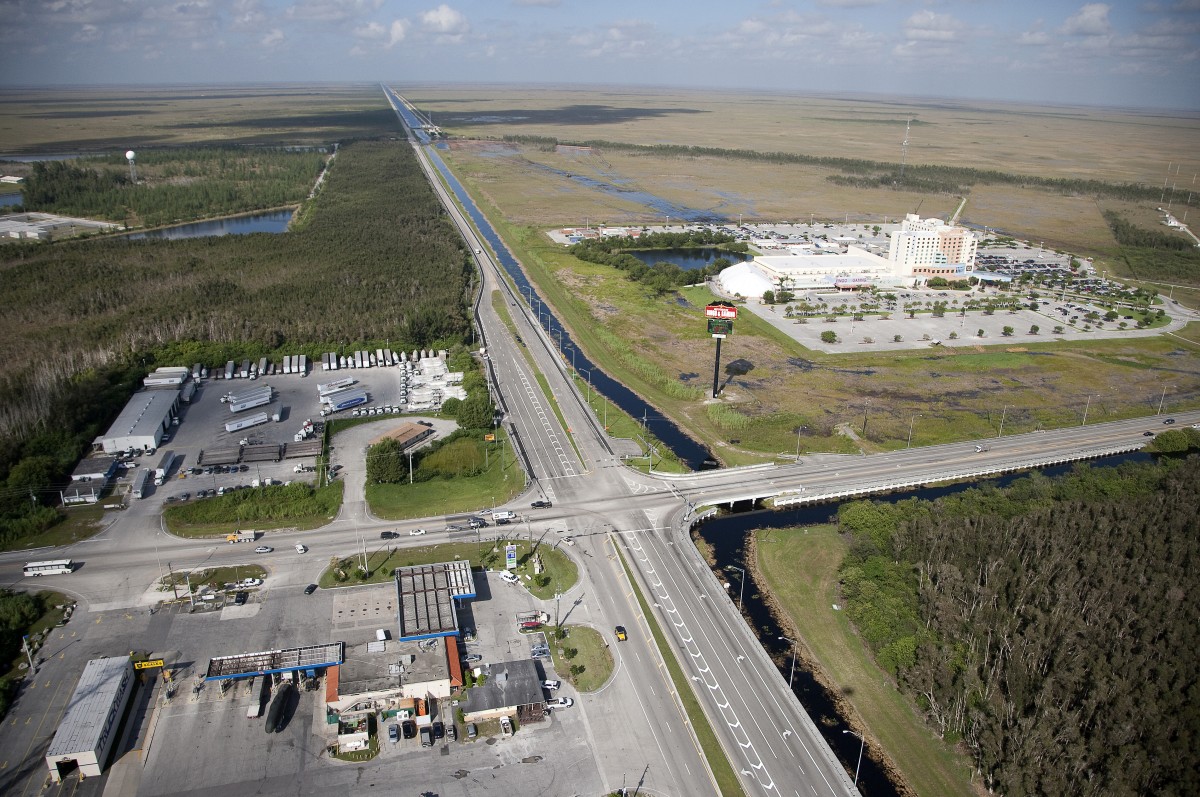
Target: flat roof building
(141,423)
(512,688)
(88,729)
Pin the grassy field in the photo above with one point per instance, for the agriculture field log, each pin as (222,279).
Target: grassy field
(651,343)
(64,120)
(799,567)
(215,576)
(382,558)
(591,653)
(502,480)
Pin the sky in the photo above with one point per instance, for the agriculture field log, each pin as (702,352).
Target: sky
(1131,53)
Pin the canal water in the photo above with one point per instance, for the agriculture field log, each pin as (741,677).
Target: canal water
(8,200)
(690,452)
(692,259)
(272,221)
(727,534)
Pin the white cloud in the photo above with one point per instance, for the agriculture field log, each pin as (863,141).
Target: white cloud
(372,30)
(1034,38)
(398,31)
(539,3)
(247,15)
(849,3)
(273,38)
(445,21)
(623,39)
(1090,20)
(331,10)
(88,33)
(928,26)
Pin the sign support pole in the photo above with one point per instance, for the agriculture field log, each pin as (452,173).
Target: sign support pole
(717,369)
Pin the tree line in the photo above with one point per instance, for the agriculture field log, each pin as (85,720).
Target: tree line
(1154,254)
(661,277)
(173,185)
(863,173)
(1050,625)
(374,260)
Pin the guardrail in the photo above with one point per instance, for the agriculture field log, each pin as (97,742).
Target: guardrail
(949,476)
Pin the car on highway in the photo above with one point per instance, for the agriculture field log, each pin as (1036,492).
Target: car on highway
(551,685)
(416,532)
(476,523)
(1147,434)
(541,505)
(184,496)
(561,702)
(452,528)
(501,521)
(388,535)
(310,589)
(621,635)
(263,549)
(1169,421)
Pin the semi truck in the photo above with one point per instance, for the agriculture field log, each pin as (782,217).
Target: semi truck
(302,364)
(229,370)
(245,370)
(196,369)
(247,422)
(164,467)
(241,536)
(263,362)
(141,483)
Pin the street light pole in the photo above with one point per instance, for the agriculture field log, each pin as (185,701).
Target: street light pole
(791,672)
(1002,417)
(742,587)
(1161,399)
(861,744)
(910,429)
(1086,407)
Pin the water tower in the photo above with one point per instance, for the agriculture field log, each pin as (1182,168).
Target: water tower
(131,156)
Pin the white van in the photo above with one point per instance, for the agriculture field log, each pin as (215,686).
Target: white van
(300,548)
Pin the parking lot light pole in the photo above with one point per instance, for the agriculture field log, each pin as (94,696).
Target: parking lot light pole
(862,743)
(791,672)
(1003,415)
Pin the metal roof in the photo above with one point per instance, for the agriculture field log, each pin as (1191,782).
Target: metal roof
(86,718)
(144,414)
(250,394)
(245,665)
(427,595)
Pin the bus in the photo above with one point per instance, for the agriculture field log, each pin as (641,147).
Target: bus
(53,567)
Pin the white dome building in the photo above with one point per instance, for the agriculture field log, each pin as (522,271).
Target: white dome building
(746,280)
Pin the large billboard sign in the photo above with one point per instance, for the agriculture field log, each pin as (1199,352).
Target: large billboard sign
(510,557)
(721,310)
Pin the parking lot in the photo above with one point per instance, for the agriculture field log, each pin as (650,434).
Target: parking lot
(552,756)
(202,428)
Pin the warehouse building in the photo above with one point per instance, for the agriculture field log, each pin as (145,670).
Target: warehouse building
(142,422)
(89,479)
(89,727)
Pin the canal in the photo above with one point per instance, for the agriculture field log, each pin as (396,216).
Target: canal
(690,452)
